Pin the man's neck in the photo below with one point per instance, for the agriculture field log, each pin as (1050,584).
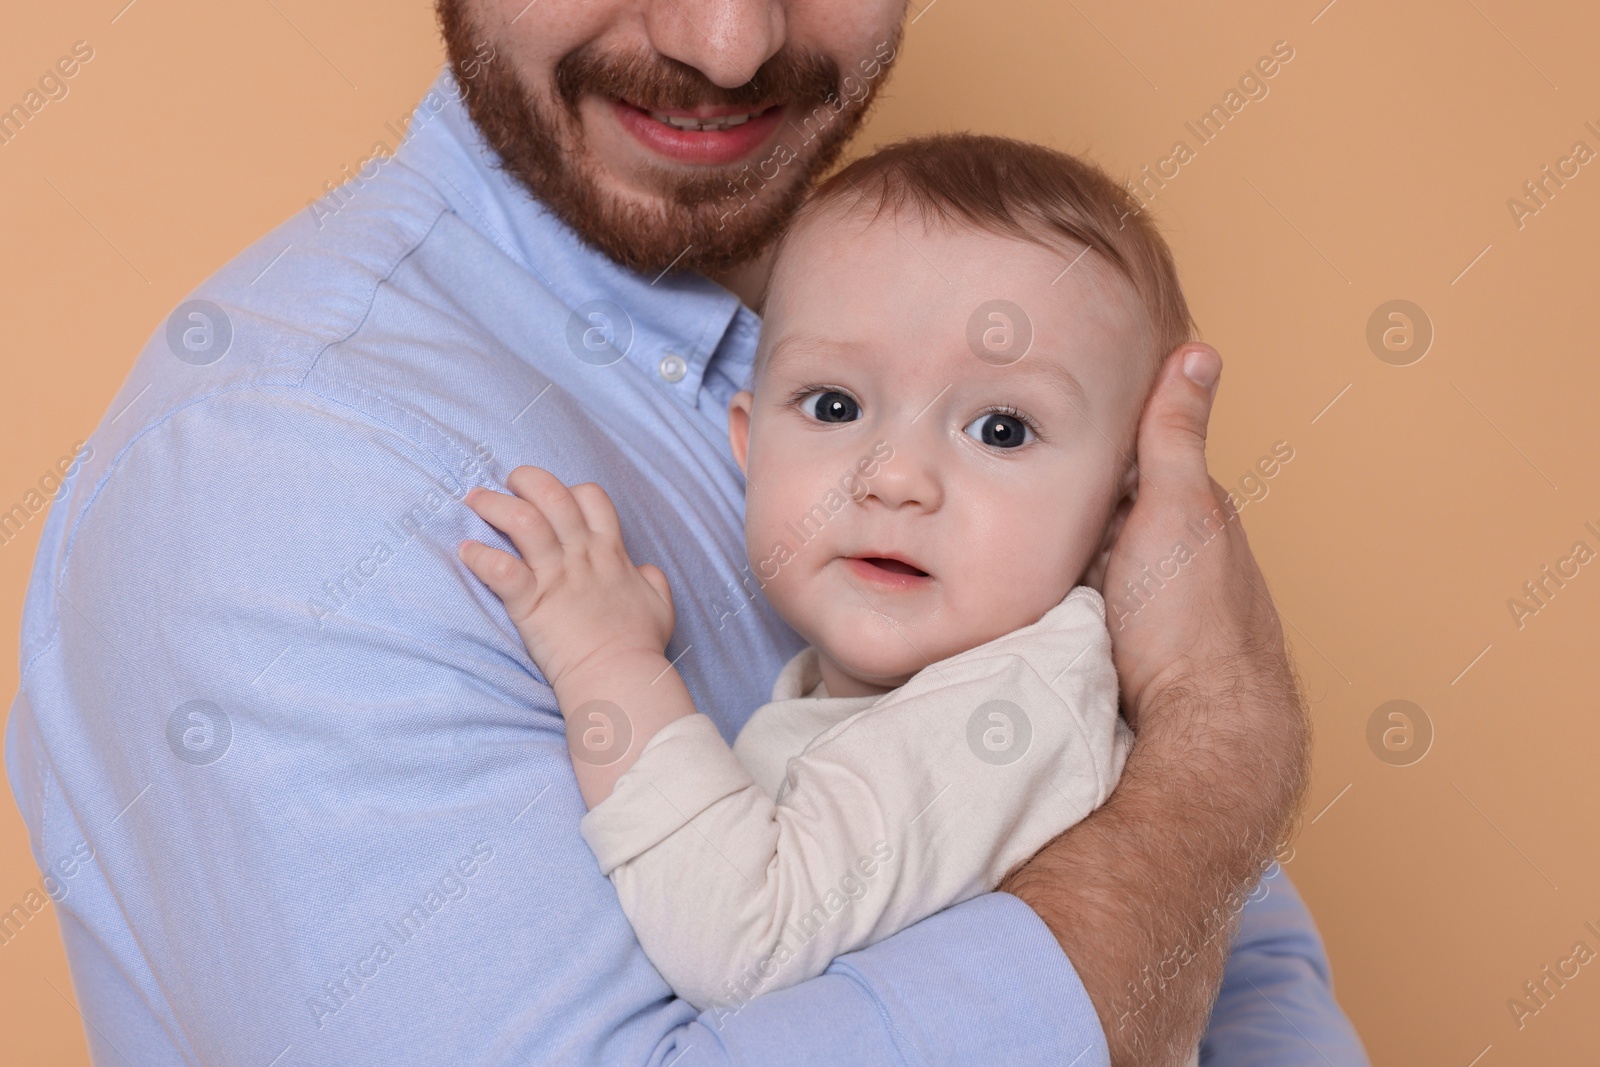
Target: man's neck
(747,279)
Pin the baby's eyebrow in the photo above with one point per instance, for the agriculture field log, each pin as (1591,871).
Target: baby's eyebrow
(1056,374)
(795,344)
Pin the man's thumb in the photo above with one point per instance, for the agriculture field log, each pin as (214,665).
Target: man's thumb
(1172,433)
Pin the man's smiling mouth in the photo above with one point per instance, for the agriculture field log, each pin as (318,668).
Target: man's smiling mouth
(708,136)
(706,120)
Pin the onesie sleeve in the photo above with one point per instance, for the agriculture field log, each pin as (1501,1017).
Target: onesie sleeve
(921,801)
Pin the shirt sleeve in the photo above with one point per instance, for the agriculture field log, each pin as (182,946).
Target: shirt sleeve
(1276,1007)
(922,800)
(328,801)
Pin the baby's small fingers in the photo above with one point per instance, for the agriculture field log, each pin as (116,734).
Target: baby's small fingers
(553,499)
(519,520)
(506,576)
(598,511)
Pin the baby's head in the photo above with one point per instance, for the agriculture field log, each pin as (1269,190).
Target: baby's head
(959,336)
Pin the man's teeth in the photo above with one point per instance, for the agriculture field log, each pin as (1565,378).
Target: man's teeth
(721,122)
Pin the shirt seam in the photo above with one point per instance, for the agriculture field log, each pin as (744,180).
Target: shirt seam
(116,461)
(898,1035)
(372,296)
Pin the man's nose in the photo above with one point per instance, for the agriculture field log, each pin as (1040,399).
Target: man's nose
(726,40)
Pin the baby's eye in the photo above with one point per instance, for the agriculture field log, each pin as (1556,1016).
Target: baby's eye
(1000,430)
(830,405)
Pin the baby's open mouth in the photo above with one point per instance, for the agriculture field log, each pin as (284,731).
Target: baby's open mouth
(894,566)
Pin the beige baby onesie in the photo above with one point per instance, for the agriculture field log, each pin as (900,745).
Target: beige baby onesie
(835,822)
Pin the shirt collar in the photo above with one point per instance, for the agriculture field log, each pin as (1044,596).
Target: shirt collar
(685,315)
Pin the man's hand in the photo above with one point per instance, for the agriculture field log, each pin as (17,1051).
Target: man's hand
(1185,601)
(575,596)
(1144,894)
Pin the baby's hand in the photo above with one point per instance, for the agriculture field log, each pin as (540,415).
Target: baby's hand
(574,596)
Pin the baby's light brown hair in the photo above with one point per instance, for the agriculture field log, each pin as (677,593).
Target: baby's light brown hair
(1022,190)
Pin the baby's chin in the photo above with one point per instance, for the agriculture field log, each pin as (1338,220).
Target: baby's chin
(877,665)
(864,675)
(870,651)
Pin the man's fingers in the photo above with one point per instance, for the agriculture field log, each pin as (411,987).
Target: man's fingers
(506,576)
(1172,431)
(547,493)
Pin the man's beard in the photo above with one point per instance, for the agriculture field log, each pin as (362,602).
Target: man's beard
(709,222)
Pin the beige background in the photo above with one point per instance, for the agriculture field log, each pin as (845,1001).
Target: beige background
(1378,167)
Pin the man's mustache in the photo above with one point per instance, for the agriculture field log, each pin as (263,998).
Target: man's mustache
(656,82)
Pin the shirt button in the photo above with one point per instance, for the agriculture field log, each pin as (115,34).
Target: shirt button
(672,367)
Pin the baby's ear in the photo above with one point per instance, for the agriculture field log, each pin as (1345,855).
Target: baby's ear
(1127,492)
(739,426)
(1129,487)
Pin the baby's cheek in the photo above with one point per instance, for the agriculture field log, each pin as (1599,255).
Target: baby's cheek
(1059,551)
(768,556)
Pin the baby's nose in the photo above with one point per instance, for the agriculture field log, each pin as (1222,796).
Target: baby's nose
(909,477)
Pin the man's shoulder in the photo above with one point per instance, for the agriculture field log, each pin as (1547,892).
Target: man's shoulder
(268,329)
(259,324)
(229,381)
(308,283)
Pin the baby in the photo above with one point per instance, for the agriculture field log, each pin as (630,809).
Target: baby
(959,335)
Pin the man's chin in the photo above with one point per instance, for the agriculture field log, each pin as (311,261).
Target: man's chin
(567,146)
(652,214)
(655,216)
(655,232)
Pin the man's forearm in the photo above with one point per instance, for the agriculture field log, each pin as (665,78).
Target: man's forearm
(1144,895)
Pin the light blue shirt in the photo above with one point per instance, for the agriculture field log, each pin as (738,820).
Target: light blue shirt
(324,792)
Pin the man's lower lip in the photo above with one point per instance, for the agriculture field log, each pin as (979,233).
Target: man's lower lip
(887,579)
(711,147)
